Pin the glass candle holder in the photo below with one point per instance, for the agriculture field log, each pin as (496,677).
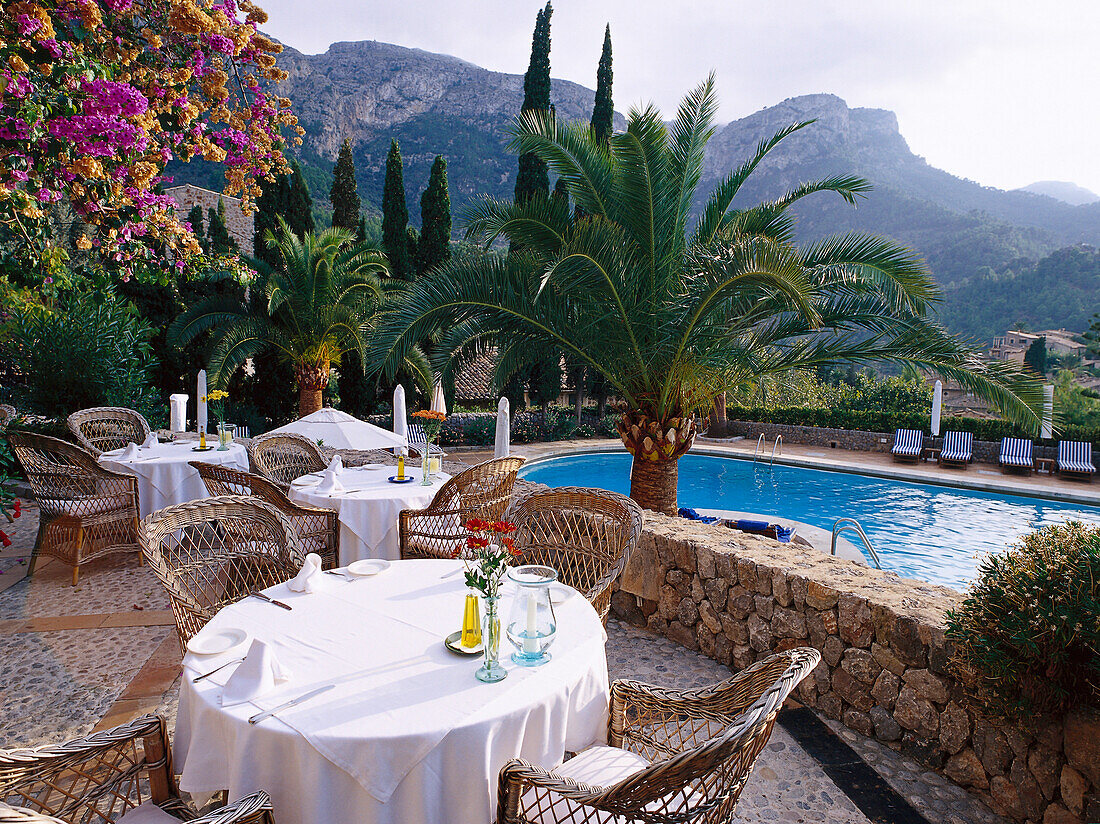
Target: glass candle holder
(532,625)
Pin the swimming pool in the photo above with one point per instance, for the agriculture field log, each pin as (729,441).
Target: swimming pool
(934,533)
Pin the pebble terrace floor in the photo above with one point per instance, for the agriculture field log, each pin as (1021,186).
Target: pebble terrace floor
(80,659)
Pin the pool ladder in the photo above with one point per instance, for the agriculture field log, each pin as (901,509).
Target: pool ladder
(852,524)
(761,442)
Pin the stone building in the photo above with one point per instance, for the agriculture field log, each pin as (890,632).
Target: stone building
(241,226)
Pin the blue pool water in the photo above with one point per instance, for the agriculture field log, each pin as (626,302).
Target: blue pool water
(933,533)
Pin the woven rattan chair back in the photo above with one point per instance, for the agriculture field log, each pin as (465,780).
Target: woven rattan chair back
(215,551)
(701,743)
(283,457)
(85,511)
(107,427)
(96,780)
(587,535)
(482,491)
(318,529)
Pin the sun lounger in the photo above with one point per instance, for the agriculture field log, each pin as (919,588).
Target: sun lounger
(1075,458)
(1016,454)
(957,449)
(907,445)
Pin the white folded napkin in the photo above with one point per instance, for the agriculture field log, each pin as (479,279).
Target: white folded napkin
(150,441)
(129,453)
(258,674)
(330,478)
(310,572)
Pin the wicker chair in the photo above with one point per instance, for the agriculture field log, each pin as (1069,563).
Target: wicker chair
(99,779)
(283,457)
(107,427)
(215,551)
(587,535)
(318,529)
(675,756)
(7,414)
(86,511)
(482,491)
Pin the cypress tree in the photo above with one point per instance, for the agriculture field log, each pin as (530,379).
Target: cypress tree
(344,195)
(361,230)
(435,220)
(194,217)
(299,207)
(561,191)
(395,216)
(274,195)
(218,238)
(532,178)
(603,112)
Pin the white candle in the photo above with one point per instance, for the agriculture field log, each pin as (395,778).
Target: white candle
(433,466)
(531,642)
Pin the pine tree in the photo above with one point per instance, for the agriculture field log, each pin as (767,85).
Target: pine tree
(218,239)
(299,206)
(532,178)
(344,195)
(435,220)
(603,112)
(395,216)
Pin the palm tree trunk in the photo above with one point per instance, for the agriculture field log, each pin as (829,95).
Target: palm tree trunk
(312,380)
(718,417)
(653,484)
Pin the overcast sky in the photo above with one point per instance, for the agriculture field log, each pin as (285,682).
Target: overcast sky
(1004,93)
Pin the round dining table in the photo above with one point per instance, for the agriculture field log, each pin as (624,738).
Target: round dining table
(404,731)
(368,507)
(163,475)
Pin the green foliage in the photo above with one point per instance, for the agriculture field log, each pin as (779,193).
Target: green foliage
(1027,637)
(194,217)
(1036,356)
(218,239)
(395,216)
(532,179)
(299,204)
(544,379)
(1073,404)
(434,246)
(344,194)
(555,424)
(91,350)
(603,112)
(272,202)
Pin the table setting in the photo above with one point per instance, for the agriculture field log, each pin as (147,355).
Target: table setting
(368,500)
(360,701)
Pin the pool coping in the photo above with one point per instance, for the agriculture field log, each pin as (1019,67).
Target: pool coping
(898,473)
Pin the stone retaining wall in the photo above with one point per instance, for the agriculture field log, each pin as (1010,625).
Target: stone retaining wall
(885,661)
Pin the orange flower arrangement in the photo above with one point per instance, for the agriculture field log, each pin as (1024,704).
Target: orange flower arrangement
(493,548)
(433,422)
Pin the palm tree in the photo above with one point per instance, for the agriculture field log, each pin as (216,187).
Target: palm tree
(669,317)
(318,303)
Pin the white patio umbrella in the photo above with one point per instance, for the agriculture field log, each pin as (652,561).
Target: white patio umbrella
(200,404)
(937,406)
(400,416)
(1047,430)
(439,403)
(504,430)
(340,430)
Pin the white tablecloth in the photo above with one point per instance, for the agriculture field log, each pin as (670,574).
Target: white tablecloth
(164,478)
(408,734)
(368,508)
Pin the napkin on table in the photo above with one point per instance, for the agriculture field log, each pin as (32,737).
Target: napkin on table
(150,441)
(258,674)
(129,453)
(305,580)
(330,478)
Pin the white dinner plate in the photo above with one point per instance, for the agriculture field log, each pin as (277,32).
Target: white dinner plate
(211,643)
(560,593)
(369,566)
(374,466)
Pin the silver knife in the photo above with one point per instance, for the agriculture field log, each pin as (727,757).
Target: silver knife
(198,678)
(269,599)
(258,717)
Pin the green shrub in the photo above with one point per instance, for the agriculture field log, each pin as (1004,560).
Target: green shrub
(1027,636)
(92,350)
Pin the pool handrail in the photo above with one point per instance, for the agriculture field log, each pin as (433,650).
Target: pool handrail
(851,523)
(759,443)
(777,445)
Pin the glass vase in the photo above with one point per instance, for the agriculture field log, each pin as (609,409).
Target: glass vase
(225,436)
(425,465)
(532,625)
(491,670)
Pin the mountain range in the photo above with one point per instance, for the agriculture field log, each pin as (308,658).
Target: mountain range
(433,104)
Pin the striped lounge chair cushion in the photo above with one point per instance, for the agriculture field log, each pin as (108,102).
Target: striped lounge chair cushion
(1075,456)
(418,440)
(956,446)
(908,442)
(1016,452)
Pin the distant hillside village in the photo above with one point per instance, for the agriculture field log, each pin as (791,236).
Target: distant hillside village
(1062,348)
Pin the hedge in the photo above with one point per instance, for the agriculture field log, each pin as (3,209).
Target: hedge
(983,429)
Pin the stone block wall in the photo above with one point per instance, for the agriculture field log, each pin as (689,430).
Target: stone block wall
(885,668)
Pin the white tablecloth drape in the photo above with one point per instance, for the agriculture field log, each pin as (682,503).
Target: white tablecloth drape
(407,734)
(368,508)
(164,478)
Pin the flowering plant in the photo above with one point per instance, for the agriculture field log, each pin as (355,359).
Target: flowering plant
(215,400)
(433,422)
(492,548)
(96,96)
